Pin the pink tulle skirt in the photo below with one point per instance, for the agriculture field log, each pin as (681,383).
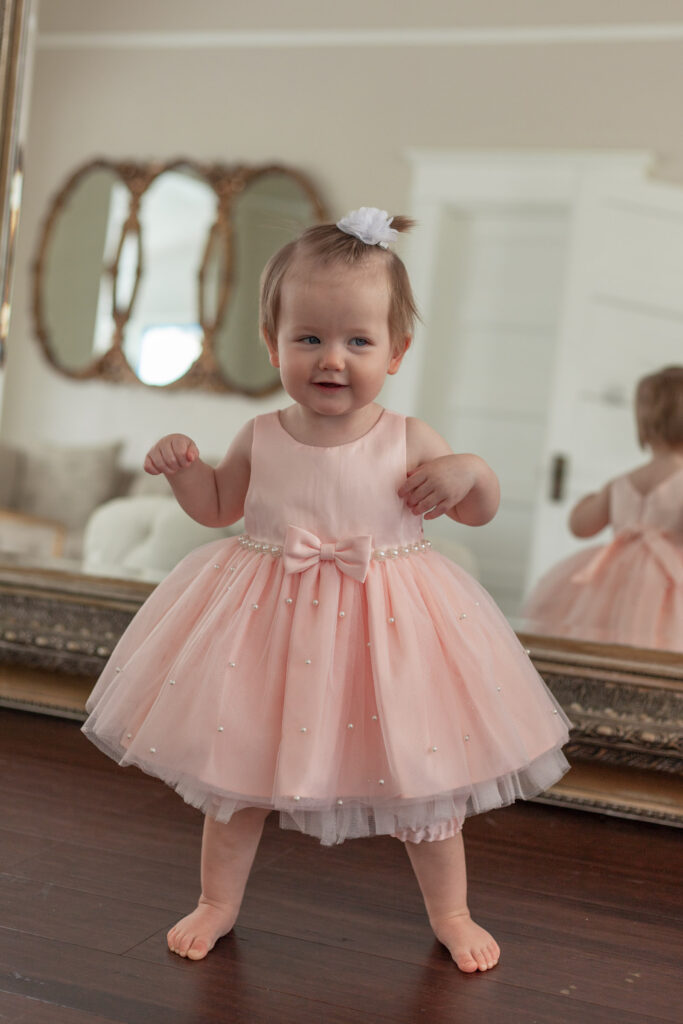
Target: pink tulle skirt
(629,591)
(394,706)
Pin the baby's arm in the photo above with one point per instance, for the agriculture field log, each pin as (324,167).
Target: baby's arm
(439,482)
(214,497)
(590,514)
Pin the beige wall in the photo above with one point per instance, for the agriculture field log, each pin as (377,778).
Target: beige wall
(346,115)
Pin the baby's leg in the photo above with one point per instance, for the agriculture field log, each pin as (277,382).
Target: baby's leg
(228,851)
(439,867)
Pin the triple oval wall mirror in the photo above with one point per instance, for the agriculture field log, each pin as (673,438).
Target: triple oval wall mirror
(149,272)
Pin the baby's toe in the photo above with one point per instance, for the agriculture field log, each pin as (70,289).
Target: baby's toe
(492,955)
(198,949)
(481,960)
(466,963)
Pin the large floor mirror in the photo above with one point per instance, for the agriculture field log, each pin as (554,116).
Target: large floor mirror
(548,285)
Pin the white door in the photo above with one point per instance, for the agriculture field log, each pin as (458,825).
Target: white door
(622,317)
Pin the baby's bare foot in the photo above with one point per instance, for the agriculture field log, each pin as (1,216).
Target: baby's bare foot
(196,935)
(472,948)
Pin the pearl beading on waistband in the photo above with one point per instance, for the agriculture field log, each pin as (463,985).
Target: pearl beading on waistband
(380,554)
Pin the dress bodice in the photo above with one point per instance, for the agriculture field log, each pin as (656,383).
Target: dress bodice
(660,509)
(334,492)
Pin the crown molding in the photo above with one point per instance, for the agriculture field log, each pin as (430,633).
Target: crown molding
(263,39)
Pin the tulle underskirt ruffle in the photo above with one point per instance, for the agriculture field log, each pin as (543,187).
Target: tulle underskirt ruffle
(438,817)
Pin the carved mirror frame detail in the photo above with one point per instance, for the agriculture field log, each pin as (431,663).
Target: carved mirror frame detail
(228,182)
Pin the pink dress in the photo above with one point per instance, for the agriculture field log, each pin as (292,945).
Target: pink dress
(329,664)
(629,590)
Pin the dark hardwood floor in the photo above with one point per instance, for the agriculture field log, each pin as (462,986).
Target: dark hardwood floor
(97,862)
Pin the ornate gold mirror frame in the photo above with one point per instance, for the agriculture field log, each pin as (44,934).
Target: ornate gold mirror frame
(57,630)
(228,183)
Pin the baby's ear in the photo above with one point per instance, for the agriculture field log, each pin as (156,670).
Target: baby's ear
(272,348)
(398,354)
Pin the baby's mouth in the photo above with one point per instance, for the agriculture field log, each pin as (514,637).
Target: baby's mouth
(328,384)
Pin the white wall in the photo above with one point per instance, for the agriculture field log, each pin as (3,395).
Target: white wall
(346,114)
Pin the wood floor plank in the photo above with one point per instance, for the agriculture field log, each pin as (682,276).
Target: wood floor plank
(53,911)
(136,991)
(50,1013)
(12,1007)
(93,824)
(125,876)
(17,847)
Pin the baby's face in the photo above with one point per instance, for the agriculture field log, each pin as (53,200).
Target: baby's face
(333,344)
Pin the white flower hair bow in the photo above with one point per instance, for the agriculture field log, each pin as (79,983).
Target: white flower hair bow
(371,225)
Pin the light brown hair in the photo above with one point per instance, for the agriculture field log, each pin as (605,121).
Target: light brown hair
(328,244)
(659,407)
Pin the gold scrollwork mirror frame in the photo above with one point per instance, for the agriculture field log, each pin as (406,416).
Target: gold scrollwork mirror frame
(227,182)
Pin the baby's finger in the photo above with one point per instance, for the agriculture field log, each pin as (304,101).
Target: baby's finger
(439,510)
(425,504)
(410,483)
(420,493)
(167,459)
(180,447)
(149,465)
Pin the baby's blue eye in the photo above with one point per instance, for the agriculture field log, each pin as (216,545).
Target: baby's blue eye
(359,342)
(311,339)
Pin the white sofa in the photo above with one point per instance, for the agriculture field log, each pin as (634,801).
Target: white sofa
(149,532)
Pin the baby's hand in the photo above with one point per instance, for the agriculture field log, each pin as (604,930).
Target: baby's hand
(435,487)
(170,454)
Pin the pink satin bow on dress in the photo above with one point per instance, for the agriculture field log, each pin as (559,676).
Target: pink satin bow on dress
(303,549)
(659,546)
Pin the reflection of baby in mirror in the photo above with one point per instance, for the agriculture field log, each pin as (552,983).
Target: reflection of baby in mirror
(328,664)
(631,589)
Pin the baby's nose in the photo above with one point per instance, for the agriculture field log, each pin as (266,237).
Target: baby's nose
(332,357)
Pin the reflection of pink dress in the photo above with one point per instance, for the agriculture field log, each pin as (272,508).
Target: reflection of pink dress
(630,590)
(329,665)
